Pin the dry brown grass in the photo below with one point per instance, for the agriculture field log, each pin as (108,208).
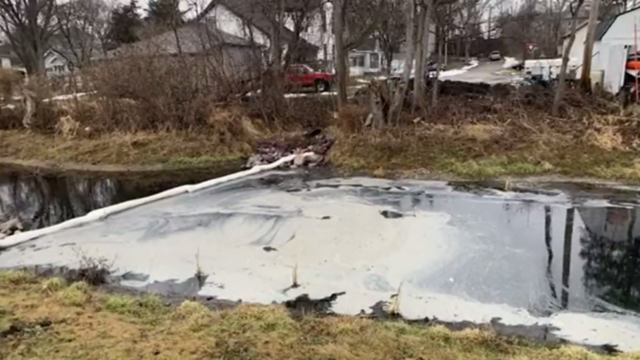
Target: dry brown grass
(78,322)
(168,149)
(483,151)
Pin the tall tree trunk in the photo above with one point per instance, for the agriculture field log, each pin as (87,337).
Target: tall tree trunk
(341,53)
(423,54)
(276,92)
(400,93)
(585,78)
(29,103)
(389,58)
(434,93)
(418,78)
(565,62)
(467,48)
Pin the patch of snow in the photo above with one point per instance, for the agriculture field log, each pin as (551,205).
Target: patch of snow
(68,96)
(473,63)
(509,62)
(454,72)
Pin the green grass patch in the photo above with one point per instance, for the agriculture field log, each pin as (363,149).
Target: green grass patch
(87,323)
(77,294)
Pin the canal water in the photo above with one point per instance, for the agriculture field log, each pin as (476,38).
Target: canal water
(567,259)
(40,200)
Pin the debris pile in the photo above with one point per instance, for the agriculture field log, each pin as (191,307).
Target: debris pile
(314,141)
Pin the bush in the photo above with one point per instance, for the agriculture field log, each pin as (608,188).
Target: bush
(156,93)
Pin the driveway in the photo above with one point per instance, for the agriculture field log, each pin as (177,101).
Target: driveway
(490,72)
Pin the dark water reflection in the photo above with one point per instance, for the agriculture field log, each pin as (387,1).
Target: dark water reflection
(610,247)
(44,200)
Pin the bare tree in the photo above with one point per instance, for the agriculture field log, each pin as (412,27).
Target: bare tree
(28,26)
(470,22)
(391,33)
(575,9)
(355,21)
(444,11)
(341,51)
(585,78)
(302,14)
(82,26)
(422,49)
(517,25)
(401,92)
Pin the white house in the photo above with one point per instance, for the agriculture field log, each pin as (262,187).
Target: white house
(367,58)
(7,57)
(56,64)
(614,41)
(246,19)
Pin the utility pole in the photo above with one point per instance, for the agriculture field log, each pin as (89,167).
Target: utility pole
(585,78)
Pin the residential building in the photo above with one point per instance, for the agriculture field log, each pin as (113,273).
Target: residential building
(230,55)
(614,41)
(248,20)
(8,58)
(57,63)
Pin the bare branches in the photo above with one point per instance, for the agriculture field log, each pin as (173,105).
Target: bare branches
(28,26)
(82,27)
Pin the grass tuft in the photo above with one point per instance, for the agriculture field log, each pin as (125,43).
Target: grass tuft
(195,315)
(17,277)
(77,294)
(145,307)
(53,285)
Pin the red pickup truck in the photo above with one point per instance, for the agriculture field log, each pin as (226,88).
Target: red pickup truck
(300,75)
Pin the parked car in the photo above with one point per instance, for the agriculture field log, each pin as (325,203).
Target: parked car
(302,75)
(495,56)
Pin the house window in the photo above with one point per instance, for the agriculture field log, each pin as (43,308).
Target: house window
(374,60)
(357,61)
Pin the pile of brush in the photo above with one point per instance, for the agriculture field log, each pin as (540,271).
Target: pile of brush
(271,150)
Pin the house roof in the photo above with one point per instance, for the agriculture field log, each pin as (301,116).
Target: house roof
(194,37)
(254,12)
(603,27)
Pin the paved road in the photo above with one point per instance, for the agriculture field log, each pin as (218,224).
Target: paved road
(487,72)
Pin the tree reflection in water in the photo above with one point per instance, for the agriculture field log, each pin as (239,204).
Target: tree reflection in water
(610,246)
(40,201)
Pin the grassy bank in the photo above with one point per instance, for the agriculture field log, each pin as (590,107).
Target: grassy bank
(137,150)
(468,136)
(47,318)
(466,152)
(479,151)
